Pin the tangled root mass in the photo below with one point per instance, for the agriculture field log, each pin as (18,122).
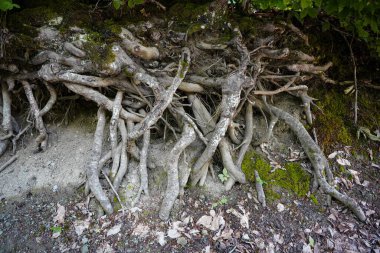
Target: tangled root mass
(200,82)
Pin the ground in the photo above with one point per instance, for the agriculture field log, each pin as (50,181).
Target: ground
(45,205)
(287,224)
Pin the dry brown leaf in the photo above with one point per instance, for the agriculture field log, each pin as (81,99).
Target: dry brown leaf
(60,216)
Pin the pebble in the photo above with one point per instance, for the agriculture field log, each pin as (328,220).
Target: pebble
(245,237)
(84,249)
(182,241)
(204,232)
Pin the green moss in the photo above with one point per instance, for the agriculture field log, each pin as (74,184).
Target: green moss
(314,199)
(188,11)
(98,49)
(331,122)
(293,178)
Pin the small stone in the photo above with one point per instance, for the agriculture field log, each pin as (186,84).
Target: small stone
(280,207)
(182,241)
(84,249)
(245,237)
(84,240)
(204,232)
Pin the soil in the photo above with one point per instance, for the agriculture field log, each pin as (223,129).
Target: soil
(28,212)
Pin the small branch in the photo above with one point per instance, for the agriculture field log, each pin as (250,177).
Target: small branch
(9,162)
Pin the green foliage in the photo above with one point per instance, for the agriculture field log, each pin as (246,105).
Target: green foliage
(131,3)
(56,229)
(222,201)
(362,17)
(224,176)
(6,5)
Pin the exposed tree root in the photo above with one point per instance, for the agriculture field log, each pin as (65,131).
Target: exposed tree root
(317,159)
(207,100)
(92,169)
(173,187)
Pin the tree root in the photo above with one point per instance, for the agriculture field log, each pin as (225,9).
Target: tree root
(173,187)
(149,98)
(317,159)
(92,169)
(113,132)
(42,138)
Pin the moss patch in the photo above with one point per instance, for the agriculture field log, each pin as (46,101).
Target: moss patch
(98,48)
(331,123)
(293,178)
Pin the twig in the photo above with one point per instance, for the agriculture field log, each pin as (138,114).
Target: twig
(113,189)
(9,162)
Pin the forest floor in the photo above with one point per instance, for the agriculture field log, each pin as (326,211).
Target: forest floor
(58,219)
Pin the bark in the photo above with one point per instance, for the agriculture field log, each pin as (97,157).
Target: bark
(173,186)
(92,168)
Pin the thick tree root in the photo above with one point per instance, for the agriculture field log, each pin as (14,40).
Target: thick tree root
(173,187)
(317,159)
(42,139)
(92,169)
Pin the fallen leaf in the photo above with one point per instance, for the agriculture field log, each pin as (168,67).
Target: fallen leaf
(244,217)
(207,249)
(60,217)
(212,221)
(375,165)
(343,162)
(105,248)
(173,233)
(277,238)
(365,183)
(161,238)
(135,209)
(260,243)
(332,155)
(306,248)
(370,212)
(114,230)
(80,226)
(141,230)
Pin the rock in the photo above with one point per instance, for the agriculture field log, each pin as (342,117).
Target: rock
(245,237)
(280,207)
(84,248)
(204,232)
(114,230)
(182,241)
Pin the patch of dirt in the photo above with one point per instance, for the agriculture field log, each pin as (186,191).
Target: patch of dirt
(67,155)
(288,224)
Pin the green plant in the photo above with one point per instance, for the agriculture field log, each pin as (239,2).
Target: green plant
(224,176)
(362,17)
(56,229)
(222,201)
(6,5)
(131,3)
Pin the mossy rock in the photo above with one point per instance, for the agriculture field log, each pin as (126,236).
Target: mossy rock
(292,178)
